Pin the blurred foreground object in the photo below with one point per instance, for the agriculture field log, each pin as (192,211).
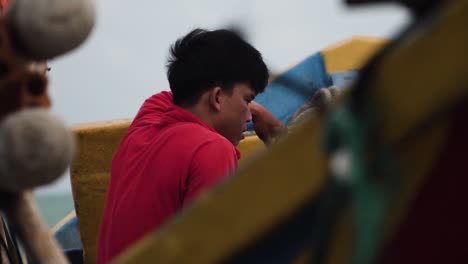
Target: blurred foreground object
(320,104)
(418,7)
(35,146)
(44,29)
(35,149)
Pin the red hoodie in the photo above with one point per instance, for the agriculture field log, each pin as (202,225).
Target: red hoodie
(3,4)
(167,157)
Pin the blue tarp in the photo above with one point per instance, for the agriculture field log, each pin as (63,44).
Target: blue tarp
(285,94)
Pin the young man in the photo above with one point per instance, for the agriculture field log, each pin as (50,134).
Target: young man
(184,141)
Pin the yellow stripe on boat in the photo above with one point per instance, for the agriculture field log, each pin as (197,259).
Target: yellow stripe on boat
(351,54)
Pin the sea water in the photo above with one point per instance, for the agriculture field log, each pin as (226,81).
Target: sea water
(54,206)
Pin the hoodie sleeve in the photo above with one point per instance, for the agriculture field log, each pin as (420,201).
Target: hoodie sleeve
(211,164)
(3,4)
(153,109)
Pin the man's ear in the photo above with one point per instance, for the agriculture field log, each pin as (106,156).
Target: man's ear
(215,98)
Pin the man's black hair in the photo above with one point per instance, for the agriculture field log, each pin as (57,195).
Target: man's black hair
(204,59)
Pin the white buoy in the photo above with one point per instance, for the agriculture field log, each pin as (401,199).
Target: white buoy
(35,149)
(44,29)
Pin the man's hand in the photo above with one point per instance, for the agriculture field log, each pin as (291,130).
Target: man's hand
(265,124)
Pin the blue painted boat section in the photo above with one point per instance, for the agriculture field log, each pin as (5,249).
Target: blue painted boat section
(285,94)
(68,236)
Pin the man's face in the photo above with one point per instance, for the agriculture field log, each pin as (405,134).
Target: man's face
(235,112)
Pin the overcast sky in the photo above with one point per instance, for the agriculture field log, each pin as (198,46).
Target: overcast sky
(123,61)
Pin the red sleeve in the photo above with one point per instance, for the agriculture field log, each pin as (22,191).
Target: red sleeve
(154,108)
(212,163)
(3,4)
